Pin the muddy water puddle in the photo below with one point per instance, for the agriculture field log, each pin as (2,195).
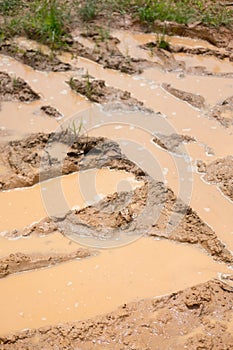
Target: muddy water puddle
(21,207)
(83,289)
(80,289)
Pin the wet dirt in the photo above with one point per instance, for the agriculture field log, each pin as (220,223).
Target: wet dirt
(223,112)
(15,89)
(18,262)
(111,98)
(191,244)
(101,47)
(34,58)
(204,314)
(194,100)
(220,173)
(51,112)
(172,142)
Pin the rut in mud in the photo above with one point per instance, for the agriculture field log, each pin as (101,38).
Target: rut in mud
(204,320)
(159,120)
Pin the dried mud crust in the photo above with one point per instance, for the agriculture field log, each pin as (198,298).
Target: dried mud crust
(51,112)
(194,100)
(35,159)
(172,142)
(223,112)
(106,53)
(219,172)
(34,59)
(15,89)
(112,98)
(19,262)
(196,318)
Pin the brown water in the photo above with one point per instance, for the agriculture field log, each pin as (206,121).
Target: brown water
(82,289)
(85,288)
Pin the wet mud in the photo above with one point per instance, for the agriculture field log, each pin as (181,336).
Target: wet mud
(34,58)
(220,173)
(201,317)
(176,241)
(51,112)
(15,89)
(19,262)
(111,98)
(104,51)
(194,100)
(172,142)
(223,112)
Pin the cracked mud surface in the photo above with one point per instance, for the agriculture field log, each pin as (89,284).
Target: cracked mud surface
(220,173)
(15,89)
(204,321)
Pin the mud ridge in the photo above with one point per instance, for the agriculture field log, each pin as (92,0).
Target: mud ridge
(219,172)
(31,160)
(172,142)
(106,53)
(220,37)
(203,51)
(20,262)
(33,58)
(194,100)
(15,89)
(112,98)
(166,59)
(152,210)
(195,318)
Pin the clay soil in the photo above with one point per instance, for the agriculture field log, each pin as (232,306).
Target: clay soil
(196,317)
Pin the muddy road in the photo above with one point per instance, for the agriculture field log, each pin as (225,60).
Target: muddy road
(116,190)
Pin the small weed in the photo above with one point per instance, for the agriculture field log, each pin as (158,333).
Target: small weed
(75,129)
(88,11)
(9,7)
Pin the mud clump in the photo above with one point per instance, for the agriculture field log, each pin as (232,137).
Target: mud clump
(172,142)
(194,100)
(111,98)
(19,262)
(36,158)
(51,112)
(223,112)
(219,172)
(34,59)
(196,318)
(15,89)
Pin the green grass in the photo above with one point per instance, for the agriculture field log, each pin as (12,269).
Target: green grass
(49,21)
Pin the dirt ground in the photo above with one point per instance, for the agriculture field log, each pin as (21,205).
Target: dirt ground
(176,103)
